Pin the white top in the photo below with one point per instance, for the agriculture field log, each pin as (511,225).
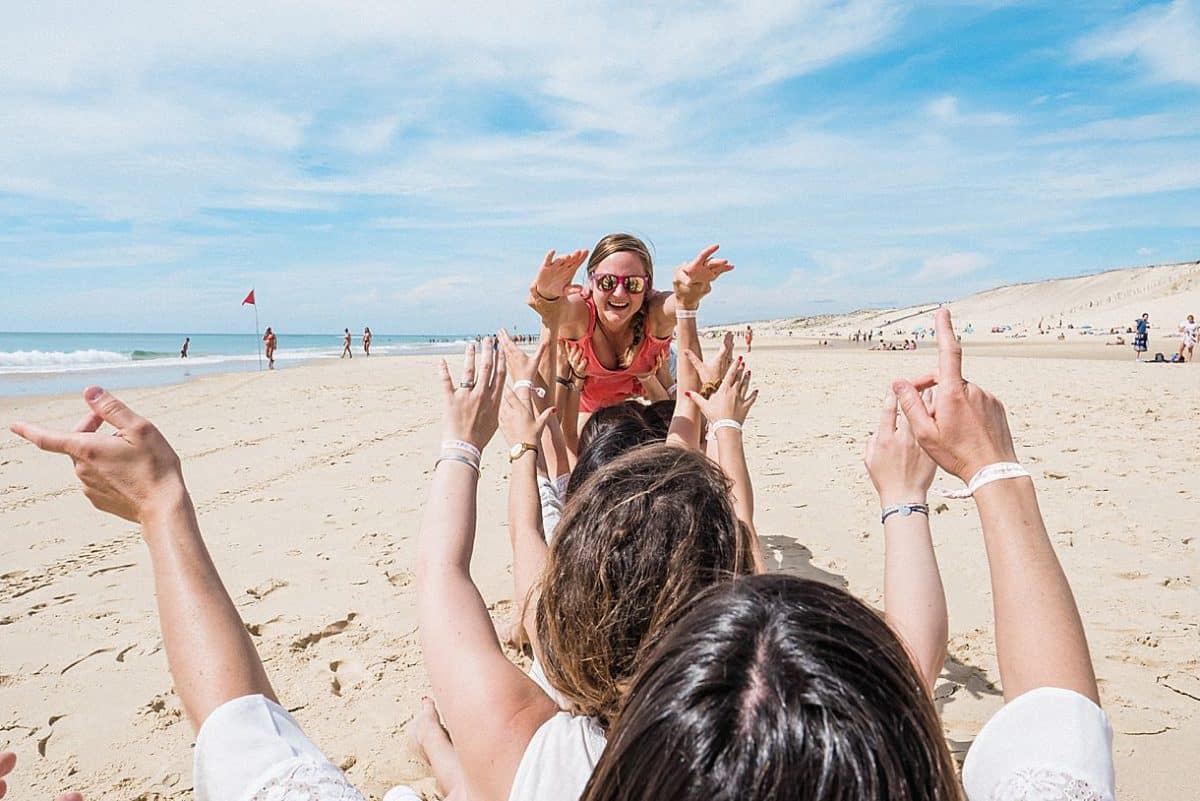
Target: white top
(552,495)
(251,749)
(1187,332)
(538,674)
(559,760)
(1047,745)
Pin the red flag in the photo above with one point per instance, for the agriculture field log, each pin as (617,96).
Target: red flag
(249,298)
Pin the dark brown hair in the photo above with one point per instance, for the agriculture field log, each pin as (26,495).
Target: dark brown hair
(636,544)
(777,687)
(627,243)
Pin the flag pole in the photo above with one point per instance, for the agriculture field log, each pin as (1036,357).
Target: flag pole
(257,335)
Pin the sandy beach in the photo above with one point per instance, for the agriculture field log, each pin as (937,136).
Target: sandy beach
(309,483)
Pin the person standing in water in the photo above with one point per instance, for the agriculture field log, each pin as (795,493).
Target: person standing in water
(183,351)
(367,340)
(346,346)
(269,338)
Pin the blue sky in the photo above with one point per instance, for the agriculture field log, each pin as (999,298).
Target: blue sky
(406,165)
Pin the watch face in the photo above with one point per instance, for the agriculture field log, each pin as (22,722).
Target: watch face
(516,450)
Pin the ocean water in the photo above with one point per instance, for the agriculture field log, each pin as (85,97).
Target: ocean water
(44,363)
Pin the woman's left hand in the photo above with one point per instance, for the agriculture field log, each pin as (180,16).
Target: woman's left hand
(693,279)
(472,407)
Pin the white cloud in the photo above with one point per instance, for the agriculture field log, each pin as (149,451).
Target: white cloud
(946,109)
(1163,38)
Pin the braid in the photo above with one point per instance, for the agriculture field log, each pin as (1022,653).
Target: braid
(639,333)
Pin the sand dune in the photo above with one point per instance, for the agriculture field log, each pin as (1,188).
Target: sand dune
(1103,301)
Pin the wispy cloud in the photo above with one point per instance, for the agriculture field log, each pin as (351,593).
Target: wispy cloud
(1164,38)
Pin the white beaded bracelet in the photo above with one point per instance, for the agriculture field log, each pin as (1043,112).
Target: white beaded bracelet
(986,475)
(686,314)
(460,445)
(725,422)
(525,383)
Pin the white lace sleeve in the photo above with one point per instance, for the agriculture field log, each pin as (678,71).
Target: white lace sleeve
(305,779)
(1043,784)
(1047,745)
(251,749)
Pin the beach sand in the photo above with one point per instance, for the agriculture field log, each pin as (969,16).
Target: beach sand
(309,484)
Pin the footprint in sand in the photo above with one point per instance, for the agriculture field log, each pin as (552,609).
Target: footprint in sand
(344,673)
(334,628)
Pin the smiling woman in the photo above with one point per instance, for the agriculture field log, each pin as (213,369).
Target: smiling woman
(622,325)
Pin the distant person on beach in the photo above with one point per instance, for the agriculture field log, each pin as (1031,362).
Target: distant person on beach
(346,345)
(1187,338)
(367,340)
(1141,340)
(618,318)
(749,339)
(269,338)
(183,351)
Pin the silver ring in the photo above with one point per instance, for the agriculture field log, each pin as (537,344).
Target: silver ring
(466,384)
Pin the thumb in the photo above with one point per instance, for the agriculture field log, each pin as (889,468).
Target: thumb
(696,361)
(913,406)
(544,417)
(110,408)
(701,403)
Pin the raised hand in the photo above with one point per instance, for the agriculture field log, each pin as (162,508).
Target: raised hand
(8,761)
(693,279)
(554,276)
(522,366)
(966,428)
(899,468)
(715,368)
(472,407)
(733,398)
(132,472)
(519,421)
(575,358)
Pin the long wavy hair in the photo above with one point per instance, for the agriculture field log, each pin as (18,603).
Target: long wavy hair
(627,243)
(637,543)
(777,687)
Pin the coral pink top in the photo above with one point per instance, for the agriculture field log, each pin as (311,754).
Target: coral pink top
(606,387)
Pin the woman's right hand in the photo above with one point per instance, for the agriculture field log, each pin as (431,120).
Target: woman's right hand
(132,472)
(967,427)
(554,276)
(718,365)
(732,399)
(472,406)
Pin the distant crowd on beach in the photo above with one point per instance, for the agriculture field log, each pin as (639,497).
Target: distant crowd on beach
(667,663)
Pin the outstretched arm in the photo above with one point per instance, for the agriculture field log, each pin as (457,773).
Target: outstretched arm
(1040,640)
(691,282)
(556,300)
(491,708)
(914,601)
(726,412)
(136,475)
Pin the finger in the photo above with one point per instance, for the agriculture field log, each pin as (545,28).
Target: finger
(47,438)
(706,254)
(751,399)
(469,364)
(500,374)
(949,351)
(487,361)
(928,399)
(914,410)
(925,382)
(696,361)
(732,375)
(70,797)
(447,381)
(89,423)
(8,761)
(575,289)
(110,408)
(700,401)
(548,260)
(544,417)
(887,415)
